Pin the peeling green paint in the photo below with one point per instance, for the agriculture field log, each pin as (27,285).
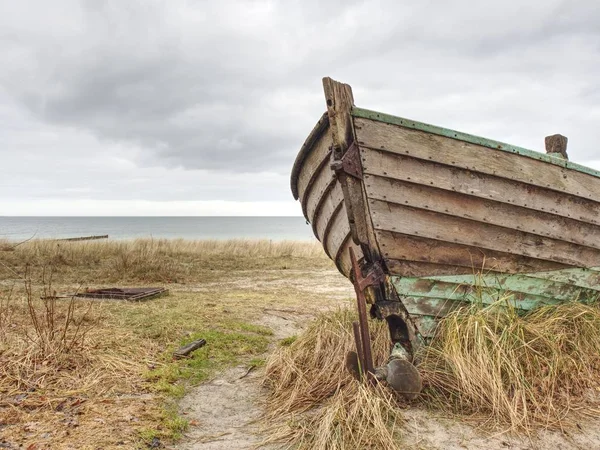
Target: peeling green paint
(435,296)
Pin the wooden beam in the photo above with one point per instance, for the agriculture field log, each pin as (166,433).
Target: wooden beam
(556,145)
(339,101)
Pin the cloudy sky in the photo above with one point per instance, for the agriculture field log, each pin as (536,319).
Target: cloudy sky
(173,107)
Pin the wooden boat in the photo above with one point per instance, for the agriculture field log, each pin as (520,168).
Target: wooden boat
(433,214)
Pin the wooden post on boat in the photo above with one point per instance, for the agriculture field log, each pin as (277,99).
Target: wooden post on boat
(347,165)
(339,101)
(556,145)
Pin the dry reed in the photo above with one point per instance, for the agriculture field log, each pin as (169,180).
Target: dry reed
(310,373)
(506,370)
(60,372)
(158,260)
(516,371)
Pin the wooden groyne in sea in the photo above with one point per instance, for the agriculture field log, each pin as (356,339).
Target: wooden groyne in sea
(85,238)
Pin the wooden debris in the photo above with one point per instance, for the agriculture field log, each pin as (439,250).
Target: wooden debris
(185,351)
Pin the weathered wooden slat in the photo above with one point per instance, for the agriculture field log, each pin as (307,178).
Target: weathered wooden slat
(317,132)
(465,137)
(409,268)
(339,100)
(482,210)
(316,158)
(323,181)
(422,145)
(581,277)
(340,229)
(426,325)
(332,200)
(398,248)
(342,259)
(449,290)
(407,168)
(445,228)
(435,307)
(528,285)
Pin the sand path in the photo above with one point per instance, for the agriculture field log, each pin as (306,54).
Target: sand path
(223,412)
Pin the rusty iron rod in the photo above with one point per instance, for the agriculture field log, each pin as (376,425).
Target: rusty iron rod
(359,350)
(362,318)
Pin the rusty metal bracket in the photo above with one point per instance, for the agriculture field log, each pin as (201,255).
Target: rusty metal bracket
(363,345)
(349,163)
(374,277)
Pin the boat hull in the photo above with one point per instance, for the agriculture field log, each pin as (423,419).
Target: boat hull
(445,213)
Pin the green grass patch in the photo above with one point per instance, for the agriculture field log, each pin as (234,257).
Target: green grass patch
(286,342)
(222,349)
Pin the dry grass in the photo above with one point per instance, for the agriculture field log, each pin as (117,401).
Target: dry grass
(62,373)
(355,416)
(81,375)
(158,260)
(514,371)
(310,373)
(490,364)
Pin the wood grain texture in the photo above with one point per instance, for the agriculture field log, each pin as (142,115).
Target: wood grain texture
(331,202)
(422,145)
(556,145)
(402,252)
(446,228)
(316,158)
(339,100)
(324,180)
(340,230)
(491,212)
(475,184)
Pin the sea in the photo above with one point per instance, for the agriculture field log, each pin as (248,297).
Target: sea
(273,228)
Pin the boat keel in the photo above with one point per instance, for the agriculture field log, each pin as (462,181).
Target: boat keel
(399,372)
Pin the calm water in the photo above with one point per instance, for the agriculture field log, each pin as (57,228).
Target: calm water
(276,228)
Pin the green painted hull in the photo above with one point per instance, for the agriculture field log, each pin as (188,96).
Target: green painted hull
(427,299)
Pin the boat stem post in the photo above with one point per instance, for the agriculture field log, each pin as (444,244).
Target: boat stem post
(367,368)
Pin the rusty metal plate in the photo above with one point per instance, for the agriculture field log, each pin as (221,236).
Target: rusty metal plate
(131,294)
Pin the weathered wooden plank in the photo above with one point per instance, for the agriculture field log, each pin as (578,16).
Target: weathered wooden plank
(426,325)
(482,210)
(332,201)
(467,292)
(435,307)
(521,283)
(342,259)
(416,222)
(339,100)
(323,180)
(581,277)
(397,248)
(465,137)
(409,268)
(407,168)
(339,231)
(422,145)
(317,157)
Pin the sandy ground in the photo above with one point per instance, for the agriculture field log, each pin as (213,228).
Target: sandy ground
(223,413)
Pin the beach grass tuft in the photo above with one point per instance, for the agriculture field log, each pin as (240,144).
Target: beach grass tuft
(513,370)
(493,365)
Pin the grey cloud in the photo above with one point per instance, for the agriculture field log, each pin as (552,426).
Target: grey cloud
(234,87)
